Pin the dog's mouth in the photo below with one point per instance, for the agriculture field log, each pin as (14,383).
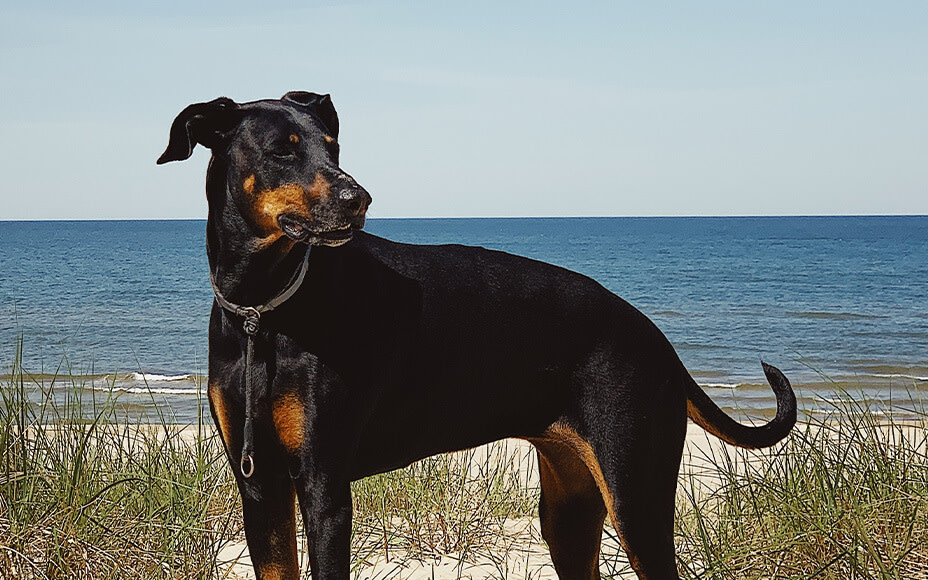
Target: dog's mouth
(300,230)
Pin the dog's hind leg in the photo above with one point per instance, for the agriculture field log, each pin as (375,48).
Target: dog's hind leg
(571,510)
(635,486)
(638,453)
(643,515)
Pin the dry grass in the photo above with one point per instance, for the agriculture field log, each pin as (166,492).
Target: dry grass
(846,496)
(96,498)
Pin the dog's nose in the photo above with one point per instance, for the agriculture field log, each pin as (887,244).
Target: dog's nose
(355,198)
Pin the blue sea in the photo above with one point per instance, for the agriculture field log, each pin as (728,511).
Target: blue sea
(835,302)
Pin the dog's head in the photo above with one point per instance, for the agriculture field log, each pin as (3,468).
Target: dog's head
(278,165)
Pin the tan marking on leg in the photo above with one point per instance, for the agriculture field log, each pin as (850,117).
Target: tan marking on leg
(582,448)
(269,572)
(294,138)
(276,556)
(328,139)
(277,572)
(566,435)
(273,572)
(219,408)
(567,486)
(289,420)
(249,184)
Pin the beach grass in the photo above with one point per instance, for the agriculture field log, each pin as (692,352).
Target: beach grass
(845,496)
(86,493)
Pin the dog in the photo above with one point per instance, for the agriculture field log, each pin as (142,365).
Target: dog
(335,354)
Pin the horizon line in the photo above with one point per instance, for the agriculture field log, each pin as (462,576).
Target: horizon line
(546,217)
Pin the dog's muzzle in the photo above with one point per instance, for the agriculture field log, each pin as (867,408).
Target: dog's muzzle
(333,224)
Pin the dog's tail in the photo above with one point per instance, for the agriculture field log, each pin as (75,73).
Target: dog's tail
(706,414)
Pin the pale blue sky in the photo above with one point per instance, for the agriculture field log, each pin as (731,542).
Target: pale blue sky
(483,109)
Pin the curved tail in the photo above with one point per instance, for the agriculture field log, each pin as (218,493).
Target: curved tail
(706,414)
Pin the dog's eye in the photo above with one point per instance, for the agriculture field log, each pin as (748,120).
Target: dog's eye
(283,151)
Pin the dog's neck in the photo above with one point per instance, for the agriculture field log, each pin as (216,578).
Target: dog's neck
(248,276)
(245,268)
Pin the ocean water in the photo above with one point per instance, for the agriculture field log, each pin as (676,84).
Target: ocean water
(835,302)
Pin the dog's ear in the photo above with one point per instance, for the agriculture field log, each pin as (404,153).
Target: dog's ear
(320,105)
(203,123)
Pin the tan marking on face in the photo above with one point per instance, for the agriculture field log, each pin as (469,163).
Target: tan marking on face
(328,138)
(269,204)
(249,184)
(320,187)
(294,138)
(219,408)
(289,420)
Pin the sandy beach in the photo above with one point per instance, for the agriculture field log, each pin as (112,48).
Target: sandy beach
(145,497)
(521,551)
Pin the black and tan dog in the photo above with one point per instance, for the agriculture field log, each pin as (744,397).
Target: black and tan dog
(369,354)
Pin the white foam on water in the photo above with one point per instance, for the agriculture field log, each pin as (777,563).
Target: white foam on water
(720,385)
(900,376)
(153,378)
(144,390)
(158,390)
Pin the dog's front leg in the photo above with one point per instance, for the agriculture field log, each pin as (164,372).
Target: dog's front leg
(315,427)
(269,512)
(324,491)
(326,508)
(268,502)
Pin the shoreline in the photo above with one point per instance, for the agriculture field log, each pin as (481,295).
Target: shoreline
(181,398)
(868,376)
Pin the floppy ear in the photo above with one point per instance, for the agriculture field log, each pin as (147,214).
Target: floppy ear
(320,105)
(203,123)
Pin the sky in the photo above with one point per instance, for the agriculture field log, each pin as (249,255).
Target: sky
(482,108)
